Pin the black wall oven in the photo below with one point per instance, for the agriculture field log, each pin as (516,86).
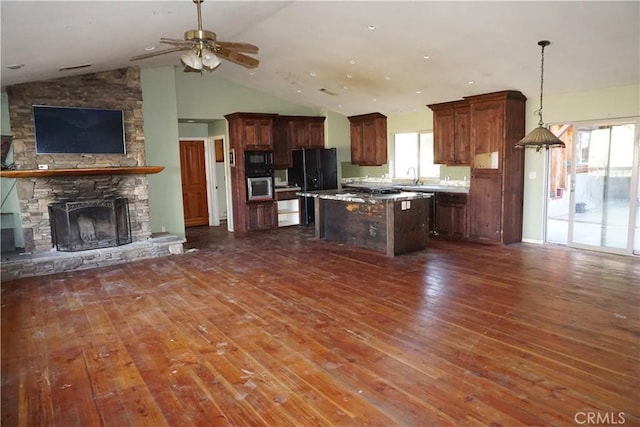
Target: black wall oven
(259,172)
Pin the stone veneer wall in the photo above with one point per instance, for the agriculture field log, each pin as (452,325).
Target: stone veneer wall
(118,89)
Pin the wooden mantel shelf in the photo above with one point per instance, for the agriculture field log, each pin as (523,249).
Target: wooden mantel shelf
(43,173)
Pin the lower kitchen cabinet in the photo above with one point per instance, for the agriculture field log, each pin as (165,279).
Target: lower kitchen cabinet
(451,215)
(485,199)
(261,216)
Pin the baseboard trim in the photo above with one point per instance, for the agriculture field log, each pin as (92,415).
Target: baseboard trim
(538,242)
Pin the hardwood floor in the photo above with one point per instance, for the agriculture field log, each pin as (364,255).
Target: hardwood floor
(279,329)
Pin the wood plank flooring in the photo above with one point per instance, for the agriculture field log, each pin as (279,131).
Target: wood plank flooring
(279,329)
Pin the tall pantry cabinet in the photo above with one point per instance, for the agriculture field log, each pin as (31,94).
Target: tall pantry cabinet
(247,132)
(497,123)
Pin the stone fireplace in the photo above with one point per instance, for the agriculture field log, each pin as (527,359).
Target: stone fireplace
(117,89)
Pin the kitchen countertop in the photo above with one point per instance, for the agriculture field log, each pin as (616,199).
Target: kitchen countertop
(429,188)
(351,196)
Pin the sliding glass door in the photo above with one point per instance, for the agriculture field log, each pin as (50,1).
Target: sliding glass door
(593,187)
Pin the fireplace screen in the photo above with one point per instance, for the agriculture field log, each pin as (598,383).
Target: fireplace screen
(90,224)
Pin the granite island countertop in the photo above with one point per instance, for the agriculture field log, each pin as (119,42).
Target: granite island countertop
(351,196)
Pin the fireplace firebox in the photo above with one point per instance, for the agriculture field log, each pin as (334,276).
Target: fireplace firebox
(90,224)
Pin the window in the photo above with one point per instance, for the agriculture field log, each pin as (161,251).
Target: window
(414,150)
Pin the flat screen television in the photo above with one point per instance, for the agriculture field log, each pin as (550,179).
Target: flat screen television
(69,130)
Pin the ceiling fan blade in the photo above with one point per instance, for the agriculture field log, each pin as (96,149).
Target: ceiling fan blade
(237,58)
(239,47)
(158,53)
(177,42)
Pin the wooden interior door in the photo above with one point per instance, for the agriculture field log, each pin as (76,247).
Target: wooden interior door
(194,183)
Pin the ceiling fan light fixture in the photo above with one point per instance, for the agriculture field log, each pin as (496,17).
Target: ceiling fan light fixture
(192,60)
(540,136)
(210,60)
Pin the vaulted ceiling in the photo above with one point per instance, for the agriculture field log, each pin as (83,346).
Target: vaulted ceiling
(351,57)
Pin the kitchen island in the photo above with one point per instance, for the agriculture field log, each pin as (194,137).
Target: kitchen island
(393,223)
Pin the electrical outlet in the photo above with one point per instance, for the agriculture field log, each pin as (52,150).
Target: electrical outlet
(43,167)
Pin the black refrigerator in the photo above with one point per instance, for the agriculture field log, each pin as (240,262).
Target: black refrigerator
(313,169)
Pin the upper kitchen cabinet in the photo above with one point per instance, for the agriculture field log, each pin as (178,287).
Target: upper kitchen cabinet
(369,139)
(292,133)
(451,133)
(497,123)
(251,131)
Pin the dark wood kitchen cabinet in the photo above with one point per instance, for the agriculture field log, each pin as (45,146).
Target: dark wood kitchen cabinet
(249,131)
(368,139)
(262,216)
(294,132)
(451,144)
(451,215)
(485,199)
(497,123)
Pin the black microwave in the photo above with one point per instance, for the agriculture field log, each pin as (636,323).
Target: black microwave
(258,163)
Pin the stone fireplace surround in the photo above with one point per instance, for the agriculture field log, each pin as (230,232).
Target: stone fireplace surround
(118,89)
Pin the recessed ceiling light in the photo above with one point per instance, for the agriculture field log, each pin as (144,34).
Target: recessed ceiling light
(150,48)
(418,91)
(252,73)
(471,82)
(374,100)
(345,87)
(339,105)
(352,62)
(426,56)
(299,90)
(371,27)
(387,78)
(349,76)
(15,66)
(312,74)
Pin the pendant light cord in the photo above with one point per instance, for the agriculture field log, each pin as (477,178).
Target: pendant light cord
(543,44)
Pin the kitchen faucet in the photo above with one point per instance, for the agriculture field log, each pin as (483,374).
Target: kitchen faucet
(415,174)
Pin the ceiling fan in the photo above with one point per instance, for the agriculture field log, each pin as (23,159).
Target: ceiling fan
(203,50)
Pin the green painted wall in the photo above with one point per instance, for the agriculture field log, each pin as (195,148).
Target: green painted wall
(161,146)
(208,97)
(5,123)
(193,130)
(9,203)
(338,135)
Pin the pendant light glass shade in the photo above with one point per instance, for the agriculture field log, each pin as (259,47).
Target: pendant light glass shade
(540,136)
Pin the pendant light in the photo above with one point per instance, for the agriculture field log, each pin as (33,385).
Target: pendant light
(540,136)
